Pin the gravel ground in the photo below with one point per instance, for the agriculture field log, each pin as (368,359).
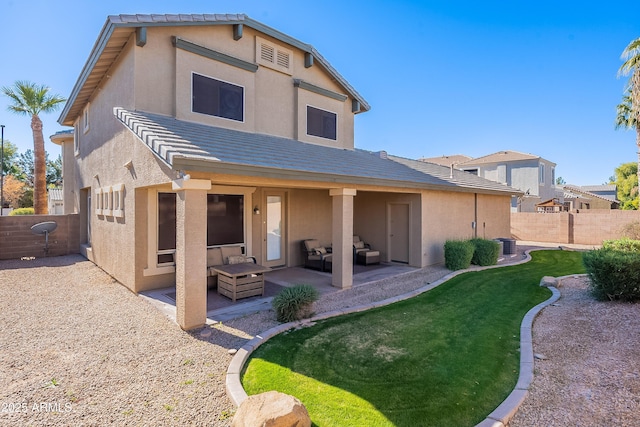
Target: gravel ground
(590,372)
(77,348)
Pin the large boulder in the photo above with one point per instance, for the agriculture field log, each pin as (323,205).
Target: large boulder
(271,409)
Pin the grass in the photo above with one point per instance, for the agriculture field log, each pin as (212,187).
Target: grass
(447,357)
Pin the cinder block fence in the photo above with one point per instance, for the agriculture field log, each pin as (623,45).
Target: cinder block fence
(586,227)
(17,240)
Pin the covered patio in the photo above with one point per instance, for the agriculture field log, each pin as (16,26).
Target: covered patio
(221,308)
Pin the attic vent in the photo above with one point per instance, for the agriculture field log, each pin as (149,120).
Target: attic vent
(283,59)
(274,56)
(266,52)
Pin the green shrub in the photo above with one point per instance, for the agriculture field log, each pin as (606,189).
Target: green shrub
(458,254)
(613,274)
(22,211)
(624,245)
(486,252)
(295,303)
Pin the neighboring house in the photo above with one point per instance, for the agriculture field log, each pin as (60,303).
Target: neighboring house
(531,174)
(448,161)
(590,197)
(193,132)
(55,201)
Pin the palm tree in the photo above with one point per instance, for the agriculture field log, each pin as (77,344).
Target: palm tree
(32,99)
(628,111)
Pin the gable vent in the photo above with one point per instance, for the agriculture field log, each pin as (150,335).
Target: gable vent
(266,52)
(274,56)
(283,59)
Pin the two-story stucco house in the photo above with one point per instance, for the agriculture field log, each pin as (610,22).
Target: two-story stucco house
(195,132)
(531,174)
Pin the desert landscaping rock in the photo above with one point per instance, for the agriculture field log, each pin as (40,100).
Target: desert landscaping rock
(272,409)
(77,348)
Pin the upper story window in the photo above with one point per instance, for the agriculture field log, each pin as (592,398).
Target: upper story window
(321,123)
(76,138)
(541,174)
(217,98)
(85,119)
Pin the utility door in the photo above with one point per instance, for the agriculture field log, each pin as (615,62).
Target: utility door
(399,232)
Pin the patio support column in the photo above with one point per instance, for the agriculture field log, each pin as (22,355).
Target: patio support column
(191,252)
(342,237)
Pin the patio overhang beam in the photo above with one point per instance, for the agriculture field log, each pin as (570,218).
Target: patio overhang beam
(209,166)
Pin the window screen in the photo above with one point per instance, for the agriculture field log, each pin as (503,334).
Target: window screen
(225,219)
(166,226)
(217,98)
(321,123)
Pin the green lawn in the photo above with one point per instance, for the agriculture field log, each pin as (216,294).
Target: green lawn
(447,357)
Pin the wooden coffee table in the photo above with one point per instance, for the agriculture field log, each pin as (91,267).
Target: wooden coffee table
(244,280)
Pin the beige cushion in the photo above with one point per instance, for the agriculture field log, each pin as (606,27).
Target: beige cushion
(238,259)
(228,251)
(358,245)
(214,257)
(319,251)
(356,239)
(310,244)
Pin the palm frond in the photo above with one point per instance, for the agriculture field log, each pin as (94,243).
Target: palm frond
(30,98)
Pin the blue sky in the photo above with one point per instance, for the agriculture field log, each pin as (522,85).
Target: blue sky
(442,77)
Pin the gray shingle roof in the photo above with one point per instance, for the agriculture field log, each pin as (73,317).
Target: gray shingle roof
(197,147)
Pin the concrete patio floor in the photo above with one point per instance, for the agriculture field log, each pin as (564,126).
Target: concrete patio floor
(220,308)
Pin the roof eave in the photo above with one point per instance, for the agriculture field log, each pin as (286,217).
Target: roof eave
(209,166)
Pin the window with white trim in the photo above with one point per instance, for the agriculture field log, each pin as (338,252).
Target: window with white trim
(541,174)
(76,137)
(321,123)
(118,200)
(166,230)
(85,118)
(225,219)
(99,201)
(217,98)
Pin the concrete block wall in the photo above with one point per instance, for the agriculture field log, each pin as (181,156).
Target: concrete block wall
(586,227)
(17,240)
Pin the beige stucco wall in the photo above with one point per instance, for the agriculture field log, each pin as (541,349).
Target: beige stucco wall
(451,216)
(272,104)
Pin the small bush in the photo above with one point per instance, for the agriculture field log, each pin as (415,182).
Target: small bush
(22,211)
(486,252)
(613,274)
(294,303)
(458,254)
(624,245)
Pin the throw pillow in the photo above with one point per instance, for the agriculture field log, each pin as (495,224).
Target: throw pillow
(236,259)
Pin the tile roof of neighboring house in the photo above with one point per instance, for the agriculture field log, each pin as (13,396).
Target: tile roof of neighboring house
(603,187)
(501,156)
(447,160)
(55,193)
(580,190)
(118,28)
(197,147)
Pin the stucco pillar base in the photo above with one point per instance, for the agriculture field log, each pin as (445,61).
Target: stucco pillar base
(342,237)
(191,257)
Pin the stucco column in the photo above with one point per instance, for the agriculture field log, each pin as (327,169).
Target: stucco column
(191,252)
(342,237)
